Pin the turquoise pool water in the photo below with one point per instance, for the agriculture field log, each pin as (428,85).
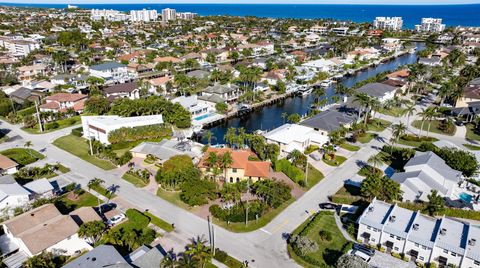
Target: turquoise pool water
(466,198)
(202,117)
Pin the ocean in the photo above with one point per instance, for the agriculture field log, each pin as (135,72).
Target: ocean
(453,15)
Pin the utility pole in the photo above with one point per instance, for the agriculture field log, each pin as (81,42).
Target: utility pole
(38,117)
(246,213)
(209,232)
(213,239)
(306,174)
(90,143)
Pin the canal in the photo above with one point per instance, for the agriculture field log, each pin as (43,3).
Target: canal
(269,117)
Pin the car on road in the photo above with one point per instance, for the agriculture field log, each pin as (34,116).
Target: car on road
(329,206)
(104,208)
(115,219)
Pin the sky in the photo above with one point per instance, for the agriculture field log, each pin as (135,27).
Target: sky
(381,2)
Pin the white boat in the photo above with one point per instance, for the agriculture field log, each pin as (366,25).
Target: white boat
(307,92)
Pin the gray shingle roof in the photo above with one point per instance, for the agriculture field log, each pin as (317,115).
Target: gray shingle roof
(329,120)
(220,89)
(101,256)
(107,66)
(436,163)
(376,90)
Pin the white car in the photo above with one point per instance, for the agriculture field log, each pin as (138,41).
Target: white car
(115,219)
(362,255)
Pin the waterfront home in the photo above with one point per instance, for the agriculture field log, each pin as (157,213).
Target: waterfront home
(166,149)
(401,75)
(242,168)
(99,127)
(77,81)
(444,241)
(194,106)
(381,92)
(61,102)
(471,94)
(320,65)
(126,90)
(290,137)
(392,44)
(329,121)
(111,72)
(7,165)
(426,172)
(227,93)
(432,61)
(362,54)
(38,230)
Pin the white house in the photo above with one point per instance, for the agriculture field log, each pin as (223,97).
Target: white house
(445,241)
(291,137)
(12,195)
(426,172)
(320,65)
(7,165)
(41,229)
(99,127)
(194,106)
(111,72)
(382,92)
(41,188)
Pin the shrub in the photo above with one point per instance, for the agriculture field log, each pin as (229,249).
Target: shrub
(126,134)
(237,212)
(396,255)
(325,235)
(415,138)
(51,126)
(310,149)
(303,244)
(220,255)
(294,173)
(197,192)
(274,193)
(77,132)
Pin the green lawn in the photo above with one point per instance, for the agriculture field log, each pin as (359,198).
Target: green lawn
(314,176)
(65,204)
(472,147)
(79,147)
(229,261)
(239,227)
(68,122)
(378,125)
(159,222)
(349,147)
(347,195)
(23,156)
(136,181)
(395,111)
(416,143)
(471,133)
(328,251)
(367,170)
(63,168)
(335,162)
(434,127)
(103,191)
(366,138)
(172,197)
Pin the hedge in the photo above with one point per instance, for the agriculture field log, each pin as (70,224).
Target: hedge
(126,134)
(237,212)
(294,173)
(77,131)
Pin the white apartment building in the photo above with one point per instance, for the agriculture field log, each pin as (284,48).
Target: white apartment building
(388,23)
(431,25)
(169,14)
(108,14)
(99,127)
(18,47)
(444,241)
(186,15)
(143,15)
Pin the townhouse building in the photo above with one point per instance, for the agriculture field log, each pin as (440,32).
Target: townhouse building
(444,241)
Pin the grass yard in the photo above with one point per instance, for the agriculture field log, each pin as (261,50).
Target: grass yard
(79,147)
(472,147)
(314,176)
(228,260)
(328,251)
(349,147)
(69,202)
(23,156)
(103,191)
(172,197)
(366,138)
(239,227)
(337,161)
(394,111)
(136,181)
(159,222)
(63,168)
(378,125)
(471,133)
(434,127)
(63,123)
(404,140)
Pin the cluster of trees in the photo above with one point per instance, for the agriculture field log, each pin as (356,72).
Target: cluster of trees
(106,152)
(262,149)
(196,254)
(30,173)
(273,193)
(237,213)
(381,187)
(142,174)
(125,134)
(287,168)
(172,113)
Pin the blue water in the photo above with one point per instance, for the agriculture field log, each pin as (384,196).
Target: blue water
(466,198)
(203,116)
(453,15)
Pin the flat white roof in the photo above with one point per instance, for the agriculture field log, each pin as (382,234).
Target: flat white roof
(288,133)
(110,122)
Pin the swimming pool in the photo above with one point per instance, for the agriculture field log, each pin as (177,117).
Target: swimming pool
(389,171)
(203,116)
(465,197)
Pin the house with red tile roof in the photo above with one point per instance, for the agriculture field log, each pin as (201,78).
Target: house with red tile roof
(61,102)
(242,167)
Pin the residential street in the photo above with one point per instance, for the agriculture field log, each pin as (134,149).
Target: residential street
(263,248)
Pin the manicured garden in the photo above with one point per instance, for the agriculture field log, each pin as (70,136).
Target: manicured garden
(159,222)
(366,137)
(318,242)
(79,147)
(75,199)
(23,156)
(334,161)
(435,126)
(415,141)
(137,178)
(472,147)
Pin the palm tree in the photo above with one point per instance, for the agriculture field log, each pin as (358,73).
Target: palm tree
(28,144)
(284,117)
(209,136)
(375,160)
(409,111)
(431,115)
(199,251)
(94,182)
(362,100)
(226,161)
(424,115)
(398,130)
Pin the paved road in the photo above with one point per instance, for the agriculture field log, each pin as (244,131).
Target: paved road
(265,246)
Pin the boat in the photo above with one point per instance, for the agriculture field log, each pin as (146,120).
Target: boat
(307,92)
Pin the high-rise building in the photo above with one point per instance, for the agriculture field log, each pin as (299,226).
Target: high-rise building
(108,14)
(143,15)
(169,14)
(388,23)
(432,25)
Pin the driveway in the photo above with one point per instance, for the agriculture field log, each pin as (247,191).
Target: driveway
(384,260)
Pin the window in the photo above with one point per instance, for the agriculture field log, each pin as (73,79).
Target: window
(231,179)
(445,251)
(424,247)
(369,228)
(417,245)
(234,170)
(392,236)
(422,258)
(373,239)
(454,254)
(238,179)
(395,248)
(399,238)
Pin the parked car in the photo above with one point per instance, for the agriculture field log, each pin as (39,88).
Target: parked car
(104,208)
(459,123)
(362,255)
(329,206)
(315,156)
(364,249)
(115,219)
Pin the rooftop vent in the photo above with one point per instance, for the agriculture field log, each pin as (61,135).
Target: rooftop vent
(472,242)
(443,231)
(415,226)
(94,259)
(370,209)
(33,214)
(392,218)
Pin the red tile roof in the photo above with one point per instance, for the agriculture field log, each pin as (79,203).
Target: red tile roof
(66,97)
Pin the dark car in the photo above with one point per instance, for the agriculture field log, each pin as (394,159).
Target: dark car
(327,206)
(104,208)
(369,251)
(459,123)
